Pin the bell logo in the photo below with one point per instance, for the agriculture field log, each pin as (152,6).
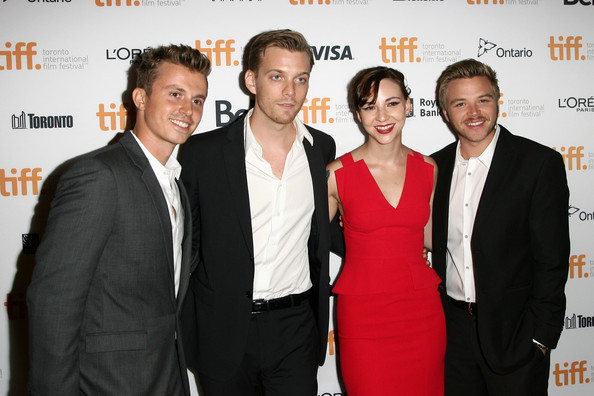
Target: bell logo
(21,49)
(316,106)
(220,47)
(573,157)
(571,375)
(117,3)
(9,185)
(582,2)
(112,120)
(397,52)
(571,43)
(473,2)
(577,264)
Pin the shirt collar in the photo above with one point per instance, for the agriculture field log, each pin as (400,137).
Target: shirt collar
(171,167)
(486,156)
(250,141)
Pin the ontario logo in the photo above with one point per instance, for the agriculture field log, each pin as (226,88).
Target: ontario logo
(580,214)
(485,46)
(35,121)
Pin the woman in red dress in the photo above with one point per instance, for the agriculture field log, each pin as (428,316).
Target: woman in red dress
(390,322)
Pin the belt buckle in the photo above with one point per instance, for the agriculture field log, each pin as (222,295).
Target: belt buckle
(261,305)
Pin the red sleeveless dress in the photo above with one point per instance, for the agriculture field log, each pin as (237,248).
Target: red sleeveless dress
(390,322)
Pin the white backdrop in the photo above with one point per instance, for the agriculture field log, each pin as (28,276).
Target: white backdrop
(63,84)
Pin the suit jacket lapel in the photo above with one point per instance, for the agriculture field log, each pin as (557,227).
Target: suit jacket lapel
(156,193)
(186,245)
(316,162)
(442,198)
(502,163)
(234,157)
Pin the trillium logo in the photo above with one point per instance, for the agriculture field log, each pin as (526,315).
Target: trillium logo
(485,46)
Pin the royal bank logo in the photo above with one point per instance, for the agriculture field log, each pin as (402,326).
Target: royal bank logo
(579,104)
(220,52)
(485,46)
(35,121)
(332,52)
(579,321)
(425,108)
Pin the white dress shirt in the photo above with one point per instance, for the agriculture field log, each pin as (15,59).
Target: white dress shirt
(468,180)
(281,212)
(166,175)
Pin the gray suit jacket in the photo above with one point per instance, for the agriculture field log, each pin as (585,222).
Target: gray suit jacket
(103,313)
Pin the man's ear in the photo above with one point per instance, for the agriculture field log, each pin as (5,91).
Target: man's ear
(138,96)
(250,81)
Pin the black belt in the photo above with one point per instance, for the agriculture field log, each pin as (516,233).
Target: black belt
(291,300)
(469,307)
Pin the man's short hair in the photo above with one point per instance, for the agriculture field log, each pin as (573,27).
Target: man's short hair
(284,38)
(147,64)
(467,68)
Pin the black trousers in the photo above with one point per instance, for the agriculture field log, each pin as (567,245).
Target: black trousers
(280,359)
(467,374)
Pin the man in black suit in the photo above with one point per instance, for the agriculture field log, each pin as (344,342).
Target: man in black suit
(114,263)
(256,317)
(501,243)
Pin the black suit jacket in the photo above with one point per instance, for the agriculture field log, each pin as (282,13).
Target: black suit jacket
(218,306)
(103,314)
(520,248)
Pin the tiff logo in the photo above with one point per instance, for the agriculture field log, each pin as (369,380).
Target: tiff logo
(112,117)
(573,157)
(569,376)
(21,50)
(571,43)
(221,47)
(317,106)
(9,185)
(392,53)
(117,3)
(577,263)
(473,2)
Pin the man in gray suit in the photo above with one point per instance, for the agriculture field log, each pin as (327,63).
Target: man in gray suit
(114,264)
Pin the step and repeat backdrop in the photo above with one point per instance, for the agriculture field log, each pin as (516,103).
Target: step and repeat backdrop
(64,90)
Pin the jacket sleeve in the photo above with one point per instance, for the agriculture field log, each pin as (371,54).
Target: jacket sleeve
(549,229)
(79,224)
